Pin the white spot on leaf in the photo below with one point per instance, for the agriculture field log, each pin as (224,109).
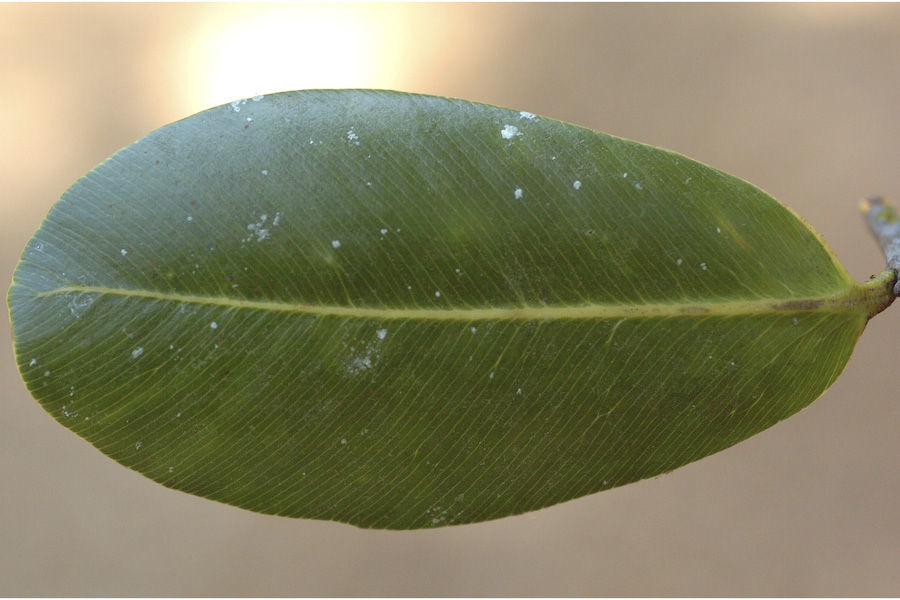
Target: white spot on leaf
(381,333)
(576,184)
(213,325)
(518,193)
(259,230)
(509,132)
(78,303)
(137,352)
(362,359)
(527,115)
(360,364)
(335,244)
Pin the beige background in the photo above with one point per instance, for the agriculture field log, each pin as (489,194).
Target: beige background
(802,100)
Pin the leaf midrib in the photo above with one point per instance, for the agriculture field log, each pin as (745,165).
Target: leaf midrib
(856,298)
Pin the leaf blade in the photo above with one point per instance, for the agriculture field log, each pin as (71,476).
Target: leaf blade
(441,295)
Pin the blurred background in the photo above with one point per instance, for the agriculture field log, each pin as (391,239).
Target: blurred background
(802,100)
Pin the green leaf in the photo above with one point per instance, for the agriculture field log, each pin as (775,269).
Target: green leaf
(404,311)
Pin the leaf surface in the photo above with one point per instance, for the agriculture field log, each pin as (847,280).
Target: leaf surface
(403,311)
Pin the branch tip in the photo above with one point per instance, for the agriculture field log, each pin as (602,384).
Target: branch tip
(884,223)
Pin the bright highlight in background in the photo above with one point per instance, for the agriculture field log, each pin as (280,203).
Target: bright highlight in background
(263,49)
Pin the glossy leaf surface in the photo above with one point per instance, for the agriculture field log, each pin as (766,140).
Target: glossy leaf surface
(404,311)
